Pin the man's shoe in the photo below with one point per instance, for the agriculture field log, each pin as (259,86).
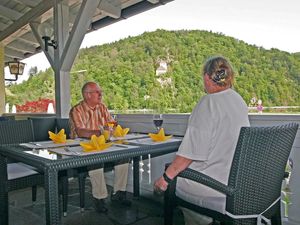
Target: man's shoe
(120,197)
(99,205)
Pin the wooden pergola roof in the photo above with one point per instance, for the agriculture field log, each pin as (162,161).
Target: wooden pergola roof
(17,17)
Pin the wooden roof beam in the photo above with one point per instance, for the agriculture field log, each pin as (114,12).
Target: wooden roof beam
(28,38)
(13,53)
(10,14)
(112,8)
(28,3)
(3,26)
(8,59)
(22,47)
(79,29)
(39,10)
(153,1)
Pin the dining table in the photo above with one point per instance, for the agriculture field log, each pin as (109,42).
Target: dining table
(50,159)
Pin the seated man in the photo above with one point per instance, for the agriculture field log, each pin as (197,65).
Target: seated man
(86,118)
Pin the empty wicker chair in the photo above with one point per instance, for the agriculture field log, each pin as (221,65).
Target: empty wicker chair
(63,123)
(5,118)
(254,184)
(41,126)
(19,175)
(81,173)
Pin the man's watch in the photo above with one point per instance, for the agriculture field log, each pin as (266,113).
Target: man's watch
(167,179)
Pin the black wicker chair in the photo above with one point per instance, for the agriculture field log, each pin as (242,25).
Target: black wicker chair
(255,179)
(5,118)
(41,126)
(63,123)
(81,173)
(19,175)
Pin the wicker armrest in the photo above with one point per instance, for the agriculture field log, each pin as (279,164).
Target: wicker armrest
(206,180)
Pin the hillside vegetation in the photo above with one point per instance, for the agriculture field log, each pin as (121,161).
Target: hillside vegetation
(126,71)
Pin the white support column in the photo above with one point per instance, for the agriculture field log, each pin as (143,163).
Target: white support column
(62,78)
(63,96)
(67,49)
(80,26)
(2,81)
(61,27)
(68,43)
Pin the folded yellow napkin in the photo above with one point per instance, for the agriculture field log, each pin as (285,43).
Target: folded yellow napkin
(160,136)
(120,132)
(58,138)
(96,144)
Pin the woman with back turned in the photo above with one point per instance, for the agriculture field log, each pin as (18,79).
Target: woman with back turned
(209,142)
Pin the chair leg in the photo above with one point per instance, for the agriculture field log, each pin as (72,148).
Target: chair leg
(276,218)
(65,195)
(81,183)
(169,203)
(64,186)
(3,192)
(34,191)
(4,207)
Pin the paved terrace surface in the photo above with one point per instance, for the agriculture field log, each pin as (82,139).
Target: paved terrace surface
(144,211)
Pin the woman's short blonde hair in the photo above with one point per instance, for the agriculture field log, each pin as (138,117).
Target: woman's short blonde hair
(219,70)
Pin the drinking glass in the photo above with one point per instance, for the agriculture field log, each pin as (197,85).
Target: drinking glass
(115,117)
(107,135)
(158,121)
(113,123)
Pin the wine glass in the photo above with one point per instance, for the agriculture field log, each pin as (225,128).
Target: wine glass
(158,121)
(113,123)
(114,116)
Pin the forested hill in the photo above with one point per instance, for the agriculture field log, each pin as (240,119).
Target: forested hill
(126,70)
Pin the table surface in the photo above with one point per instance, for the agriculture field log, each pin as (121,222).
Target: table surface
(62,158)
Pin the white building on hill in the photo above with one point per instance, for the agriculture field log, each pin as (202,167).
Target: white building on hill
(163,68)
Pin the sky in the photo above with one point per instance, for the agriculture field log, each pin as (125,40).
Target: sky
(264,23)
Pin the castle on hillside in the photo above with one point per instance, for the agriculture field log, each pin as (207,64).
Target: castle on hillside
(162,69)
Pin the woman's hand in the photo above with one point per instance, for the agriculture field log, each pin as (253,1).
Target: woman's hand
(179,164)
(160,185)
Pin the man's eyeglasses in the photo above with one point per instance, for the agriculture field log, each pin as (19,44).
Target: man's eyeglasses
(98,92)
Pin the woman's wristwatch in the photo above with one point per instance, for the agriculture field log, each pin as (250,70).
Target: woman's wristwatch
(167,179)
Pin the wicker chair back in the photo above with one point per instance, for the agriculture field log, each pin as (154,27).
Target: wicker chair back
(63,123)
(258,167)
(16,131)
(255,179)
(41,126)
